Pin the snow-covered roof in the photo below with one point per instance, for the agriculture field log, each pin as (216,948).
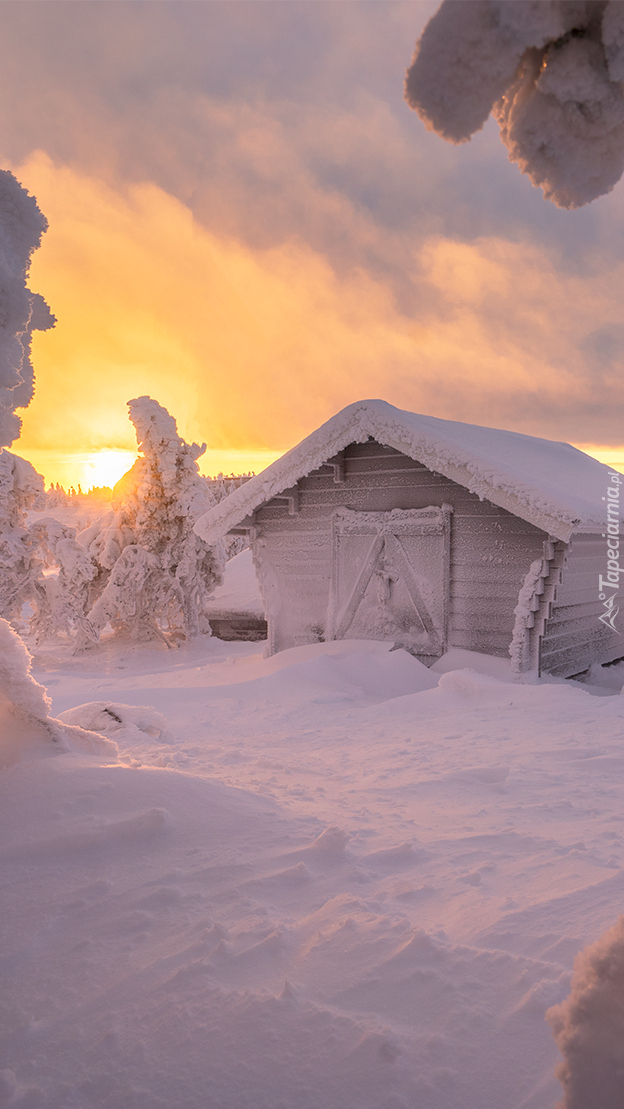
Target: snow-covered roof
(551,485)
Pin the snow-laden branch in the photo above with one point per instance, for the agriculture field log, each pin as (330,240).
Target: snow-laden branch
(589,1025)
(552,72)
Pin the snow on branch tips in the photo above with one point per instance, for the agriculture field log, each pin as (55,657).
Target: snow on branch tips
(154,574)
(21,312)
(21,557)
(551,71)
(589,1026)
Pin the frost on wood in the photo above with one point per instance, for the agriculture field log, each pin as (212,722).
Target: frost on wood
(589,1026)
(21,312)
(154,574)
(552,71)
(524,614)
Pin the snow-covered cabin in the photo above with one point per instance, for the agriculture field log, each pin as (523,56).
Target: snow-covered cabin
(386,524)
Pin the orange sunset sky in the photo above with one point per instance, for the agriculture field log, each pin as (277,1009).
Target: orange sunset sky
(247,223)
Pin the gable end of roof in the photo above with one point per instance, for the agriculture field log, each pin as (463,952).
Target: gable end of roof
(551,485)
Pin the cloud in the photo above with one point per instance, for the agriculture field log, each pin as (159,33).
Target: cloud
(589,1026)
(254,346)
(247,222)
(553,73)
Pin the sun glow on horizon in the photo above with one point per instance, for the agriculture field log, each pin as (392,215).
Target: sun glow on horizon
(89,469)
(105,467)
(609,456)
(245,344)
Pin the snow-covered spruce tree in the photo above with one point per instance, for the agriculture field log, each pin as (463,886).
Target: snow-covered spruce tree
(154,572)
(21,312)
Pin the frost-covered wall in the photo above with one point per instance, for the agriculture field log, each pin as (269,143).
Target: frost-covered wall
(573,635)
(490,549)
(21,312)
(552,72)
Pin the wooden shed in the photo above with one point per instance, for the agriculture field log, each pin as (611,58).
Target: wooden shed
(386,524)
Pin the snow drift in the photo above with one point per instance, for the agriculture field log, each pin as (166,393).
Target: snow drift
(552,71)
(589,1026)
(25,721)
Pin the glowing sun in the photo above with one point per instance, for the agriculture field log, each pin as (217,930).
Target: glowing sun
(105,467)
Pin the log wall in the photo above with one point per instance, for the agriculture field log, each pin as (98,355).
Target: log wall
(573,636)
(491,550)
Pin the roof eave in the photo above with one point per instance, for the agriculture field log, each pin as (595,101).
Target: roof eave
(356,425)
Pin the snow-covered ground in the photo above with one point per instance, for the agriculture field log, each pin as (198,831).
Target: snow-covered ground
(332,878)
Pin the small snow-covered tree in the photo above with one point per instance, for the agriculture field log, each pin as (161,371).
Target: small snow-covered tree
(154,574)
(68,594)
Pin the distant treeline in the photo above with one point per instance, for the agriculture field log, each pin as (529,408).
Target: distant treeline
(58,496)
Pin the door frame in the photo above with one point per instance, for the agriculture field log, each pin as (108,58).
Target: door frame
(388,525)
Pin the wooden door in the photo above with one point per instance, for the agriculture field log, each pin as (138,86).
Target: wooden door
(390,578)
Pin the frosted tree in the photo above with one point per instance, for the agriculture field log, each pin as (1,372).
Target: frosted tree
(63,599)
(21,312)
(21,558)
(552,72)
(21,697)
(155,574)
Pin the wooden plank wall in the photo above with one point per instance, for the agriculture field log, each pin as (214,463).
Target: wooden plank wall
(491,550)
(574,637)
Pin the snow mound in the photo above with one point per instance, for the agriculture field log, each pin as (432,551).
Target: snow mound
(125,722)
(458,658)
(26,726)
(329,673)
(468,683)
(333,841)
(551,71)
